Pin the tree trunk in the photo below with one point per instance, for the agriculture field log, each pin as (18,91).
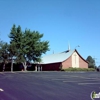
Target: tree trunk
(25,66)
(3,67)
(11,65)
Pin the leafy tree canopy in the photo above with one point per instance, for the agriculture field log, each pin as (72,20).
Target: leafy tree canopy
(91,62)
(99,66)
(4,54)
(27,44)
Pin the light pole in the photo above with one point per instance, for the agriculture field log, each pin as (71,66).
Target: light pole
(76,58)
(77,46)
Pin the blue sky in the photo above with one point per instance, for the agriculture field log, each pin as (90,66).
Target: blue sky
(61,21)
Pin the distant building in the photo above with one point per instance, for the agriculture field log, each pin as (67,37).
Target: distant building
(63,60)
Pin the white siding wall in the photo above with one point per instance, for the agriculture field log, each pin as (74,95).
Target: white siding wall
(75,60)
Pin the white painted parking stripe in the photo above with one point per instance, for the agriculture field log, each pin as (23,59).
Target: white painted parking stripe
(13,72)
(83,81)
(80,77)
(87,83)
(1,89)
(57,79)
(70,81)
(1,73)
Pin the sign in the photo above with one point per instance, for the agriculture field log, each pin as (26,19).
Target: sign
(94,95)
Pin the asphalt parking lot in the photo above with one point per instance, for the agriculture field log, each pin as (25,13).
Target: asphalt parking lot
(48,85)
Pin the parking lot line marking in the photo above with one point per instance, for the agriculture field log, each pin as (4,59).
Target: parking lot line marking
(82,81)
(1,89)
(57,79)
(82,77)
(1,73)
(87,83)
(13,72)
(70,81)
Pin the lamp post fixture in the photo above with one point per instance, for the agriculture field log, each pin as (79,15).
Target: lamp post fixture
(77,46)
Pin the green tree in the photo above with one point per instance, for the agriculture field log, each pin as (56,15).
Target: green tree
(99,66)
(4,54)
(91,62)
(12,53)
(29,45)
(7,52)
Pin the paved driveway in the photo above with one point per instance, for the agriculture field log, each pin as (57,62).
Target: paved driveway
(48,85)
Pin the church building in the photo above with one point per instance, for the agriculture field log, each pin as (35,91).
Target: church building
(62,60)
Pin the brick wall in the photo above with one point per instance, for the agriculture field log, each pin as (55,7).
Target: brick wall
(67,63)
(82,63)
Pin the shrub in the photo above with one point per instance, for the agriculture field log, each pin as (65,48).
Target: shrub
(79,69)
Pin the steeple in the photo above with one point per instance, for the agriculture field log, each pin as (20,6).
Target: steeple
(68,47)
